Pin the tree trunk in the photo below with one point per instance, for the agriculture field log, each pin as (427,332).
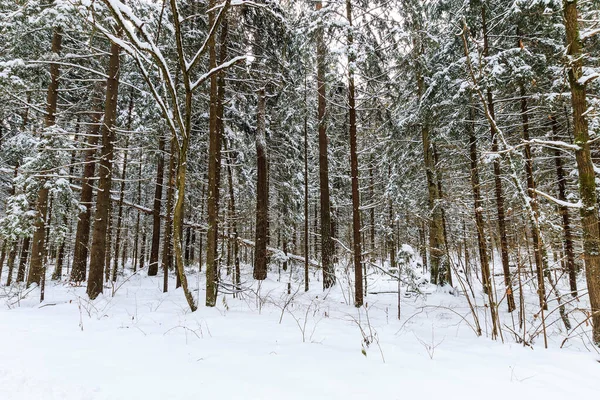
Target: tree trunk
(188,245)
(142,256)
(160,171)
(167,255)
(82,233)
(99,245)
(488,288)
(3,254)
(306,199)
(25,246)
(136,244)
(38,249)
(498,183)
(109,232)
(564,213)
(262,193)
(585,167)
(436,239)
(540,261)
(446,271)
(122,190)
(356,234)
(201,238)
(11,262)
(233,222)
(214,164)
(326,240)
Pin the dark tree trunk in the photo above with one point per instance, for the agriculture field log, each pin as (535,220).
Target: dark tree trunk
(188,245)
(160,171)
(480,222)
(11,262)
(498,183)
(3,254)
(214,165)
(262,192)
(82,233)
(446,271)
(356,234)
(142,256)
(326,239)
(539,253)
(23,259)
(99,246)
(36,268)
(136,244)
(233,221)
(585,166)
(306,199)
(109,232)
(122,190)
(570,266)
(201,238)
(167,255)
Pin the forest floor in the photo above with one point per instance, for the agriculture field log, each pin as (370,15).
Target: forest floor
(142,343)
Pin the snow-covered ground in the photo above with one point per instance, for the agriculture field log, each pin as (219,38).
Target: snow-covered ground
(145,344)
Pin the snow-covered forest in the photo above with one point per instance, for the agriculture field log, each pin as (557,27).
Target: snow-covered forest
(308,199)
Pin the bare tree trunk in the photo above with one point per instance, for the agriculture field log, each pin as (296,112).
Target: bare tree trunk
(167,255)
(160,172)
(372,210)
(109,232)
(25,247)
(11,262)
(540,261)
(233,221)
(564,213)
(122,190)
(498,183)
(58,268)
(142,256)
(326,240)
(136,244)
(436,239)
(99,246)
(585,166)
(201,238)
(262,192)
(306,199)
(188,245)
(356,234)
(446,271)
(214,163)
(3,254)
(38,249)
(488,288)
(82,233)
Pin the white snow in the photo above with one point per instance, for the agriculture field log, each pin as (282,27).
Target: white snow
(143,344)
